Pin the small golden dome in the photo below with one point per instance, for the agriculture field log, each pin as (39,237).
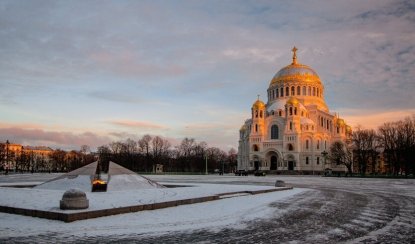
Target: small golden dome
(293,101)
(348,128)
(340,122)
(258,105)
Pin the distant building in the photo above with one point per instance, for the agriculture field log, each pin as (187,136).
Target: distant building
(293,131)
(13,152)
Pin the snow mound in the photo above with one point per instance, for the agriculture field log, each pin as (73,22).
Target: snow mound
(80,178)
(130,182)
(121,179)
(81,182)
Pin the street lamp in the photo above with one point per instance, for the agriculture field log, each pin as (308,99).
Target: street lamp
(7,156)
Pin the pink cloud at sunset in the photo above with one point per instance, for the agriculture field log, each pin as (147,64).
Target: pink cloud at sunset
(374,120)
(138,124)
(52,138)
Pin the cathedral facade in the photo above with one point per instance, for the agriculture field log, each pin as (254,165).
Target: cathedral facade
(293,131)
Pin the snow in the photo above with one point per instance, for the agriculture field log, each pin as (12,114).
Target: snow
(230,212)
(48,200)
(374,219)
(130,182)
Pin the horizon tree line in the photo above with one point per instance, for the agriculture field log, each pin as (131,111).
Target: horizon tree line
(188,156)
(393,143)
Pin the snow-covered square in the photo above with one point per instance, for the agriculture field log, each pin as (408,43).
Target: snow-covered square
(317,210)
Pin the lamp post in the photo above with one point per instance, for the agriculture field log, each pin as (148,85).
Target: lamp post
(7,156)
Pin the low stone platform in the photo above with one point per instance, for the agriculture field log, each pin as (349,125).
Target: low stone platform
(74,215)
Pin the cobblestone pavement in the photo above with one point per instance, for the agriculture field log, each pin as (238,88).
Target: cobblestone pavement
(353,212)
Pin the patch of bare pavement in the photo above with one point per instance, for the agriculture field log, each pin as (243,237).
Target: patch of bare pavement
(336,210)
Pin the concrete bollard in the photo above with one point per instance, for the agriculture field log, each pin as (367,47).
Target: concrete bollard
(279,183)
(74,199)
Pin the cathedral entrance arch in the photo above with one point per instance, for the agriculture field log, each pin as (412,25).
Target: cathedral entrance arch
(291,162)
(274,161)
(273,157)
(256,163)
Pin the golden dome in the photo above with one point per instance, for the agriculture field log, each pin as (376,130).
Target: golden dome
(293,101)
(296,72)
(258,105)
(340,122)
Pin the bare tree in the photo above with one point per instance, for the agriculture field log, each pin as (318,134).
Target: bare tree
(365,148)
(342,153)
(2,155)
(59,162)
(144,144)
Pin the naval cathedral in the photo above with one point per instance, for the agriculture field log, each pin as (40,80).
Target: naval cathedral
(293,131)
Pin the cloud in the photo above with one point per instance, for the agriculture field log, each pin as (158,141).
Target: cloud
(116,97)
(373,119)
(130,63)
(138,124)
(65,140)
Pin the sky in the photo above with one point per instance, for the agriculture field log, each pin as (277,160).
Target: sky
(93,72)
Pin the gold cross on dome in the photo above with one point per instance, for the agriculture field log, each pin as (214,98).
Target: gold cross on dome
(294,50)
(258,96)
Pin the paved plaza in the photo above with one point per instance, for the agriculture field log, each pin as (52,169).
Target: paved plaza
(323,210)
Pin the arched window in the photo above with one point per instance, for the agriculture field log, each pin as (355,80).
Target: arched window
(280,113)
(260,113)
(306,144)
(306,160)
(318,160)
(295,111)
(290,147)
(276,92)
(298,90)
(318,144)
(291,125)
(256,127)
(318,92)
(256,113)
(256,148)
(291,110)
(292,91)
(274,132)
(314,91)
(282,92)
(309,91)
(304,90)
(287,91)
(322,122)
